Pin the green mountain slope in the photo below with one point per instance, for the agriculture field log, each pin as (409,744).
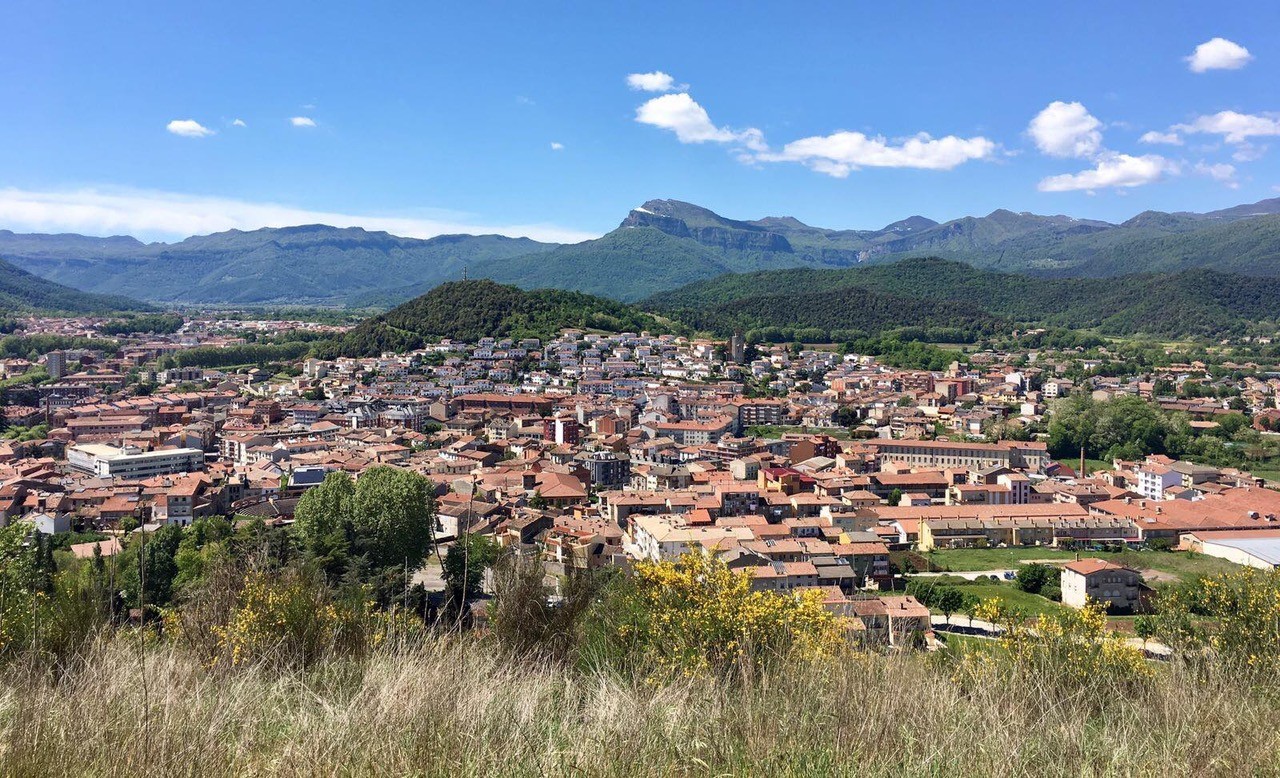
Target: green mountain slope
(841,314)
(1244,239)
(470,310)
(1194,302)
(312,263)
(626,264)
(22,292)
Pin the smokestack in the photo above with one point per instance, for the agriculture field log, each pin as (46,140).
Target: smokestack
(1083,474)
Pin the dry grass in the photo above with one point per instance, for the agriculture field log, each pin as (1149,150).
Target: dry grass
(457,708)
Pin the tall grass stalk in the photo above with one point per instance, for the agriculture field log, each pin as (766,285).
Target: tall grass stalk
(457,707)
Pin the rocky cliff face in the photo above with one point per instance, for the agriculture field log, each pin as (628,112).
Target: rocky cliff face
(725,235)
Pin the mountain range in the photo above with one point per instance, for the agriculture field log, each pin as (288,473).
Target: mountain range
(659,246)
(309,263)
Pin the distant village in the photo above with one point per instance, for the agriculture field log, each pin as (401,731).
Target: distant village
(803,467)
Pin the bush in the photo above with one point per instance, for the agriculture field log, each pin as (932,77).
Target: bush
(697,616)
(1069,652)
(1033,578)
(524,619)
(1234,617)
(286,618)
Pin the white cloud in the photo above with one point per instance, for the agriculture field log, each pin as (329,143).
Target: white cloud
(1221,172)
(557,146)
(842,152)
(1248,152)
(302,121)
(1066,130)
(1218,54)
(153,215)
(1234,127)
(188,128)
(1069,130)
(1112,170)
(835,155)
(656,81)
(1171,138)
(238,123)
(680,114)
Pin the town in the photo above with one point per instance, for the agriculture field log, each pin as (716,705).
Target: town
(803,467)
(685,389)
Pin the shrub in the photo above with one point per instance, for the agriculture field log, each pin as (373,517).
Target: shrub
(1033,578)
(524,619)
(696,615)
(1234,616)
(285,618)
(1072,651)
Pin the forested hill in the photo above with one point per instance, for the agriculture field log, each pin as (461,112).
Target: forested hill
(22,292)
(928,299)
(470,310)
(1189,303)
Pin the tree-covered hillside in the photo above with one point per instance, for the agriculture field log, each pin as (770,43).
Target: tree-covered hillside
(470,310)
(625,264)
(22,292)
(844,313)
(1195,302)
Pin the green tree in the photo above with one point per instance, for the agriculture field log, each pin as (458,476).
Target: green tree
(537,501)
(202,544)
(150,567)
(1033,578)
(949,600)
(373,531)
(464,567)
(1145,627)
(393,515)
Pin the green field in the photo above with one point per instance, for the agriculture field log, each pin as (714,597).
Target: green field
(1159,565)
(1182,565)
(1027,604)
(1092,465)
(962,560)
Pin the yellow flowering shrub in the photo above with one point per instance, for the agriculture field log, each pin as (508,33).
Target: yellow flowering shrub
(695,615)
(1074,649)
(286,618)
(1078,645)
(1234,616)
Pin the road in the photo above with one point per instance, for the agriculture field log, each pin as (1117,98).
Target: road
(971,575)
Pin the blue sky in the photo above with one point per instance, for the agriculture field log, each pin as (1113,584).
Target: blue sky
(121,118)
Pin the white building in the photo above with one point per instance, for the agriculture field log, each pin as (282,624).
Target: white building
(655,538)
(131,462)
(49,524)
(1253,548)
(1154,479)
